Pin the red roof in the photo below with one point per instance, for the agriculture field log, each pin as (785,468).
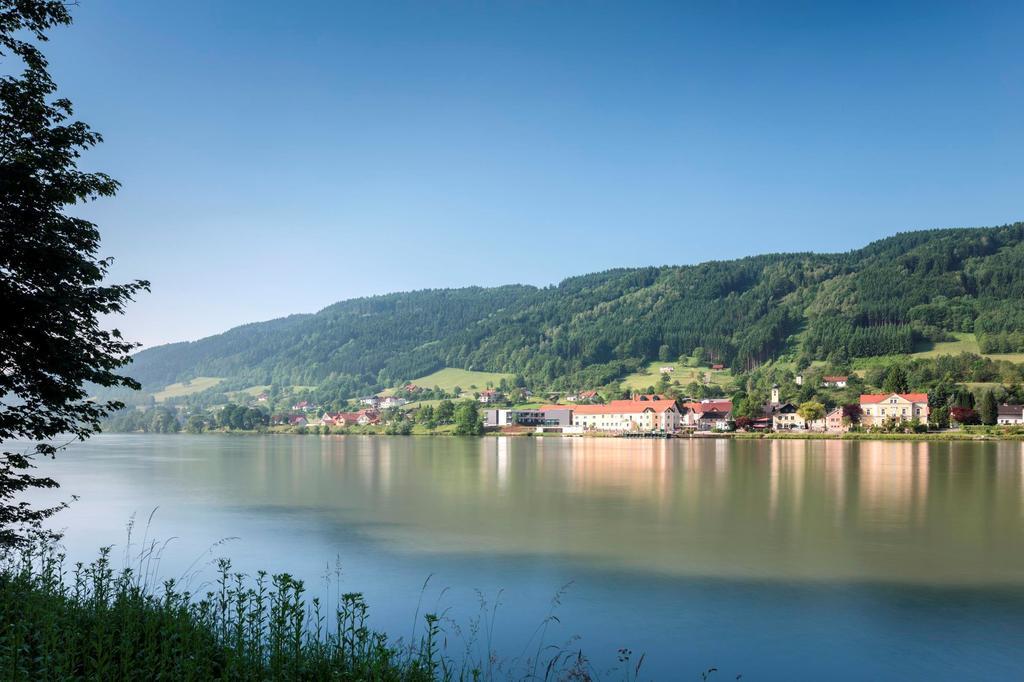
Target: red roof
(710,406)
(871,398)
(833,380)
(616,408)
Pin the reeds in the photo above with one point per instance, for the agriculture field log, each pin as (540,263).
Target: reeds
(95,622)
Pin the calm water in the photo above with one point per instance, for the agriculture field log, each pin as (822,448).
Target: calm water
(777,560)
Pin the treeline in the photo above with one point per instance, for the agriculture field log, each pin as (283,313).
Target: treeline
(168,419)
(883,299)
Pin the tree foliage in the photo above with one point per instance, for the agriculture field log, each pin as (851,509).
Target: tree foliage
(52,343)
(590,331)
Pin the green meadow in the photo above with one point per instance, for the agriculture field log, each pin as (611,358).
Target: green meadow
(448,378)
(184,388)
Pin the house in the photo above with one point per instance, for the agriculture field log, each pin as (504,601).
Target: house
(364,417)
(834,420)
(371,401)
(877,407)
(835,382)
(786,418)
(346,418)
(490,396)
(667,369)
(581,397)
(262,397)
(760,424)
(1010,414)
(297,420)
(328,419)
(620,416)
(799,380)
(302,405)
(718,366)
(707,414)
(392,401)
(783,416)
(714,420)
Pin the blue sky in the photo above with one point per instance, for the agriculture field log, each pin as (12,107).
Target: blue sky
(278,158)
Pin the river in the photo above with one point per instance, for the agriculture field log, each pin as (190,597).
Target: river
(771,559)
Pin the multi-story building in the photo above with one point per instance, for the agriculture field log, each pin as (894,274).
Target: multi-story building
(707,414)
(786,418)
(552,415)
(644,413)
(877,407)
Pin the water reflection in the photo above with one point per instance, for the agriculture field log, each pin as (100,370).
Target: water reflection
(823,510)
(837,560)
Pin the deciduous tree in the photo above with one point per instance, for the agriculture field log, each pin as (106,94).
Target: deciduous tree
(52,342)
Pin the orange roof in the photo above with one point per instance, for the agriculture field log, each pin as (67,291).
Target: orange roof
(872,398)
(615,407)
(837,378)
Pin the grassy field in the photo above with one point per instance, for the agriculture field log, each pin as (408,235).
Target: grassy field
(186,388)
(683,374)
(253,391)
(448,378)
(964,343)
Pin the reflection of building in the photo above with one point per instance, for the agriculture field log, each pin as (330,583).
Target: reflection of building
(893,481)
(877,407)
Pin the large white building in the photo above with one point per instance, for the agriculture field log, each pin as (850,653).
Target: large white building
(877,407)
(645,413)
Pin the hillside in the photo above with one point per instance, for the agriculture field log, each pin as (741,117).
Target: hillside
(894,296)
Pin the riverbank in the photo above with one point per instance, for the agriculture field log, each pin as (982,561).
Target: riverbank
(971,433)
(940,436)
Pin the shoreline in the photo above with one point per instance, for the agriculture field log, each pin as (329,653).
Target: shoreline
(938,437)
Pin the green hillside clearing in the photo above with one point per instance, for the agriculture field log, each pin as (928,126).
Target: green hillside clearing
(448,378)
(964,343)
(186,388)
(639,381)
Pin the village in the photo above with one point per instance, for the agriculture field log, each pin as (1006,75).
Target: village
(657,415)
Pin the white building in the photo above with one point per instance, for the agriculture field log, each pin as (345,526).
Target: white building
(1011,414)
(644,414)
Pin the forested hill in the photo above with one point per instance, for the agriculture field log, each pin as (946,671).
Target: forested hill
(881,299)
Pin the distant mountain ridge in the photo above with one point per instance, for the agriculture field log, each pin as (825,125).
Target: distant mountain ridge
(878,300)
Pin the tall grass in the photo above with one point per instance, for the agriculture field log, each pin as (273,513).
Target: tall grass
(96,622)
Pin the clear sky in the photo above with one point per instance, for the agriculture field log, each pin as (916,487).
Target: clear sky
(277,157)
